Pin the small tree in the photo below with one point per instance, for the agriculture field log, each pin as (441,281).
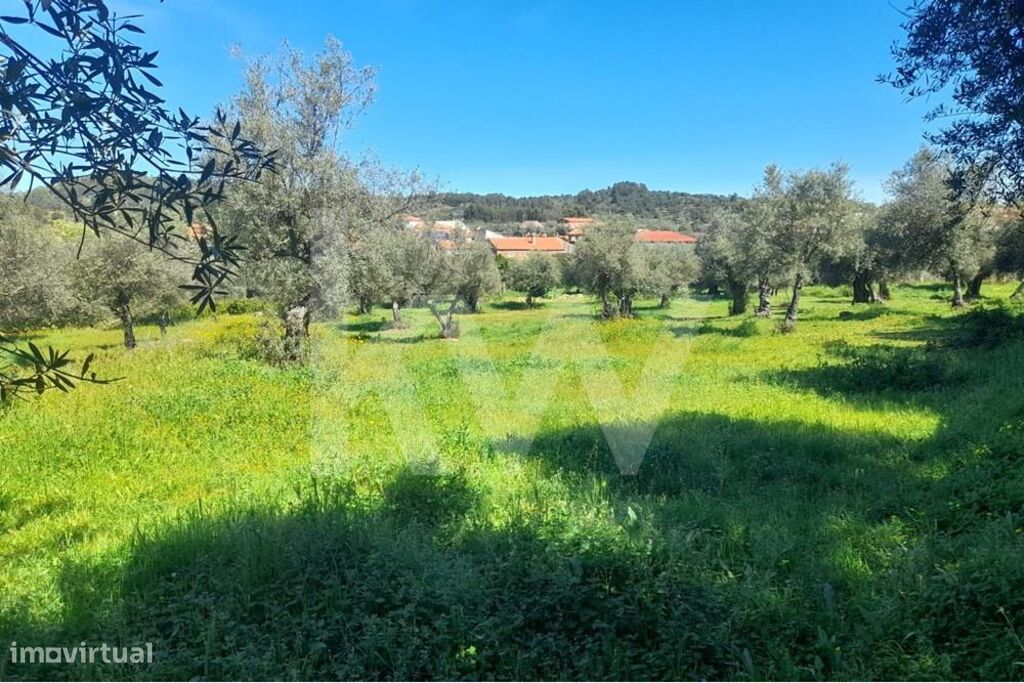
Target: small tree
(369,268)
(436,285)
(406,254)
(734,251)
(668,270)
(535,275)
(474,273)
(932,228)
(610,264)
(36,263)
(811,220)
(129,280)
(864,261)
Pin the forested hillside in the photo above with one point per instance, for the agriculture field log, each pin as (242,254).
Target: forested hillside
(623,198)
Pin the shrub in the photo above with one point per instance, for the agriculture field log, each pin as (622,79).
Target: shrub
(862,369)
(752,327)
(243,306)
(991,325)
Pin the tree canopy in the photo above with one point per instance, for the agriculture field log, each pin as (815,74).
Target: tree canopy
(971,52)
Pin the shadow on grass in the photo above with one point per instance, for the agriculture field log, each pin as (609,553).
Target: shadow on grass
(695,452)
(415,587)
(891,371)
(515,306)
(736,548)
(365,326)
(725,558)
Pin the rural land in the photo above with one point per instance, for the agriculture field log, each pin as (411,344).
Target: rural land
(271,409)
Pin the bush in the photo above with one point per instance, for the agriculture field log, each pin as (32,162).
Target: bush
(880,368)
(257,338)
(752,327)
(266,344)
(991,325)
(243,306)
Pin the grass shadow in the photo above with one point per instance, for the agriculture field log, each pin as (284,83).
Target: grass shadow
(365,326)
(417,587)
(878,370)
(515,306)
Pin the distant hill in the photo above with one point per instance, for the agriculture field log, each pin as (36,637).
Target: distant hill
(625,198)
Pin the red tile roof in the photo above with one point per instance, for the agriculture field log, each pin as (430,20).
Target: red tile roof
(578,220)
(664,237)
(529,244)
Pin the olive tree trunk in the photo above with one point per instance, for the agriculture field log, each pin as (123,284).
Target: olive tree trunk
(1017,293)
(664,301)
(974,286)
(445,318)
(607,308)
(396,313)
(626,306)
(862,290)
(958,291)
(884,294)
(124,313)
(789,323)
(740,297)
(296,332)
(764,298)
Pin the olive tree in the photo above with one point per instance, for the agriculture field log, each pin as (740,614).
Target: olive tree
(611,264)
(811,220)
(304,224)
(474,273)
(129,280)
(668,269)
(971,51)
(84,121)
(735,251)
(933,228)
(405,255)
(534,275)
(36,263)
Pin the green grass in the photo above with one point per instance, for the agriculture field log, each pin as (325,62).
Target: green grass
(844,501)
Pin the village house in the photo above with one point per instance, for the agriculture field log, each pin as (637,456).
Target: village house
(664,237)
(518,247)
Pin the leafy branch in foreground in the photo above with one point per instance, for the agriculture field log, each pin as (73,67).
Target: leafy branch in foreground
(969,52)
(86,125)
(34,370)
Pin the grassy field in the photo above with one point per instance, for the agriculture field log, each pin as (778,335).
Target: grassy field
(685,495)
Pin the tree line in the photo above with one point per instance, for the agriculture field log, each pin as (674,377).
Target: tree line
(682,209)
(799,227)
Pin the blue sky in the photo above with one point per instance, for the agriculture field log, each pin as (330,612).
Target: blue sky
(556,96)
